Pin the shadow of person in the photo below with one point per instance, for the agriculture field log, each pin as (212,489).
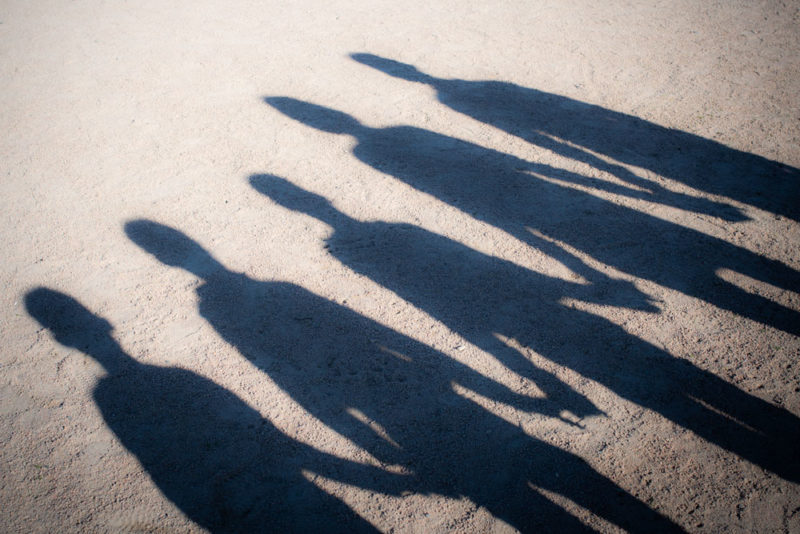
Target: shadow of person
(485,299)
(578,131)
(519,196)
(214,457)
(480,296)
(404,403)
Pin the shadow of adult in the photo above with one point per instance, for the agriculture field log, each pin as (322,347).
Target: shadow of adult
(396,398)
(578,130)
(485,299)
(519,196)
(480,296)
(217,459)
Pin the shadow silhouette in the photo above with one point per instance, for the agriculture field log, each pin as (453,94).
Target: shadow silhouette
(511,194)
(478,296)
(485,299)
(217,459)
(397,398)
(578,131)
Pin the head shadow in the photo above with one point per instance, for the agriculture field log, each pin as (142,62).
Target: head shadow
(391,67)
(171,247)
(68,320)
(286,194)
(316,116)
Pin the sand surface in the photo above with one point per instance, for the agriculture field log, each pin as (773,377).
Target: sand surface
(399,266)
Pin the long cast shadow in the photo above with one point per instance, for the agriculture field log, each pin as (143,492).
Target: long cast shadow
(217,459)
(511,194)
(578,130)
(485,299)
(396,398)
(479,295)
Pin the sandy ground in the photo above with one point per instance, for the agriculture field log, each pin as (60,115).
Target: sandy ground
(399,266)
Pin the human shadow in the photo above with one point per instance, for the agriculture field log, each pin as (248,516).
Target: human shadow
(406,404)
(579,131)
(487,300)
(519,196)
(480,296)
(227,468)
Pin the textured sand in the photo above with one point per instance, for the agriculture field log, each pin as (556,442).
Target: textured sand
(402,266)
